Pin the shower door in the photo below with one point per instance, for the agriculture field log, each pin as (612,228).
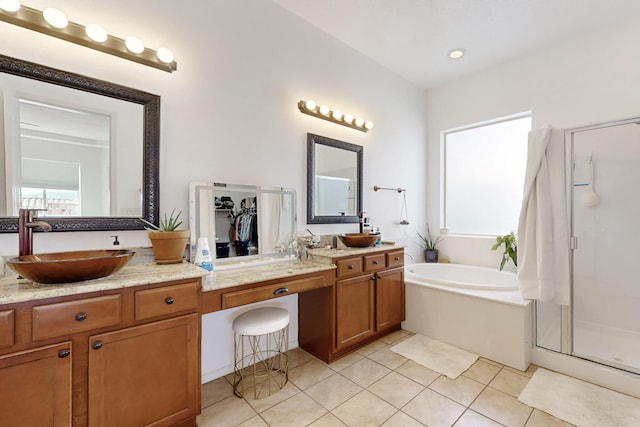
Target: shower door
(605,308)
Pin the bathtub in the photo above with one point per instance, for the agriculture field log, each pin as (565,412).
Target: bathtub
(478,309)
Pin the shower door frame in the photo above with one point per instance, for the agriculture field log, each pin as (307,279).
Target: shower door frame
(566,316)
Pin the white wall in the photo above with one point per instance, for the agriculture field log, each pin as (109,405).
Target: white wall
(229,113)
(587,80)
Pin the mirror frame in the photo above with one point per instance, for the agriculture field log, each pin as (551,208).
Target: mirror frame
(151,145)
(312,140)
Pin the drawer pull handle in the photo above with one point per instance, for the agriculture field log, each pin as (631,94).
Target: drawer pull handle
(97,345)
(280,291)
(169,300)
(375,262)
(350,267)
(64,353)
(81,316)
(379,276)
(397,258)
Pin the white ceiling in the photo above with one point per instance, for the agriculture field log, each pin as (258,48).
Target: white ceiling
(413,37)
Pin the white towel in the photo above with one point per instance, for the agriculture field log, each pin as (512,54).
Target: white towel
(543,235)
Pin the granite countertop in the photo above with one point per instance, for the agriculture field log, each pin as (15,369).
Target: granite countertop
(326,255)
(14,290)
(260,273)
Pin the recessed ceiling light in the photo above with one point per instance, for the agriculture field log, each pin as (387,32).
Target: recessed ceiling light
(456,53)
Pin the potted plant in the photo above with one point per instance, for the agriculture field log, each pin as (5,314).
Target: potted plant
(430,246)
(168,242)
(510,249)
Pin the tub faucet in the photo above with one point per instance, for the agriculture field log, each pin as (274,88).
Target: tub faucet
(26,223)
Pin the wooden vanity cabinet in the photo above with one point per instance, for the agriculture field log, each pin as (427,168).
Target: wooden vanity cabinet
(135,352)
(367,302)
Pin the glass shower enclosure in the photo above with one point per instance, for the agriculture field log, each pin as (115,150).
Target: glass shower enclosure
(602,324)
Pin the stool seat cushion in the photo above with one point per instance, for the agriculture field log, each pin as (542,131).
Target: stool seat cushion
(261,321)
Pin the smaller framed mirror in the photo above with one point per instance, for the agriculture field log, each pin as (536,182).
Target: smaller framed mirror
(334,180)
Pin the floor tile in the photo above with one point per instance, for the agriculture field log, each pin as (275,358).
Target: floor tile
(364,409)
(482,371)
(254,422)
(346,361)
(297,357)
(261,405)
(333,391)
(395,337)
(215,391)
(462,390)
(400,419)
(528,373)
(371,348)
(418,373)
(509,382)
(433,409)
(329,420)
(228,412)
(365,373)
(300,410)
(501,407)
(309,373)
(388,358)
(396,389)
(473,419)
(542,419)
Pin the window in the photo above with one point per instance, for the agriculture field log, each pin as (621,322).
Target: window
(483,175)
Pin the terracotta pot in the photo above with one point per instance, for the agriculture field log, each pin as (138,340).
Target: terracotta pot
(169,246)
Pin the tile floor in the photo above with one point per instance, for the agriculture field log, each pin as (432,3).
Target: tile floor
(377,387)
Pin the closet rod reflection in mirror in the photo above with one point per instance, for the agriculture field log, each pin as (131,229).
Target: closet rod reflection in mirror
(334,180)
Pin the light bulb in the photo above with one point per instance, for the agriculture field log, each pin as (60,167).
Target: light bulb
(10,5)
(55,18)
(337,114)
(165,55)
(348,118)
(324,110)
(310,105)
(96,33)
(368,124)
(134,44)
(456,53)
(359,122)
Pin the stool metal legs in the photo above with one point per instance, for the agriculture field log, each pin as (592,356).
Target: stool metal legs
(261,363)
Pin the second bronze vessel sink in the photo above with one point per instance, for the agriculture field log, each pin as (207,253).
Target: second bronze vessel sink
(358,240)
(68,267)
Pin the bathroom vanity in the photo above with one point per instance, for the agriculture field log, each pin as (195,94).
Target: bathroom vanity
(126,349)
(123,350)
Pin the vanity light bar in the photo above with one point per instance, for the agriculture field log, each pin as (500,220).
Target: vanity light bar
(336,116)
(34,19)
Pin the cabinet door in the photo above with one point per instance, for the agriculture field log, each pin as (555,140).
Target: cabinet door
(35,387)
(147,375)
(354,310)
(389,298)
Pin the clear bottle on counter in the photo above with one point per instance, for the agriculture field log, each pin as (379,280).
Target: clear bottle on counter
(203,254)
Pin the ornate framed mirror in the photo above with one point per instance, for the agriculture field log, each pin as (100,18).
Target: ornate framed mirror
(334,180)
(146,193)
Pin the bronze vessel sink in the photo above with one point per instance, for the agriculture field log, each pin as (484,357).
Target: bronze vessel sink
(68,267)
(358,240)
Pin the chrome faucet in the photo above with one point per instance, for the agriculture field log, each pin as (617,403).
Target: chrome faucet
(26,223)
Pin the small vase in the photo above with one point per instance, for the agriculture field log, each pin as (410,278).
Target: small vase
(169,246)
(431,255)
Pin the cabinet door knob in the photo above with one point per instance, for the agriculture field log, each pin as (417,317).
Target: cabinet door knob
(64,353)
(81,316)
(350,267)
(397,258)
(379,276)
(97,345)
(169,300)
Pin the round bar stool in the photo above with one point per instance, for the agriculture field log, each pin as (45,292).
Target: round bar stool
(261,341)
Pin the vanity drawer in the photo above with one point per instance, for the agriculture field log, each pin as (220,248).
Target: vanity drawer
(64,318)
(247,296)
(167,300)
(373,262)
(395,259)
(349,266)
(7,328)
